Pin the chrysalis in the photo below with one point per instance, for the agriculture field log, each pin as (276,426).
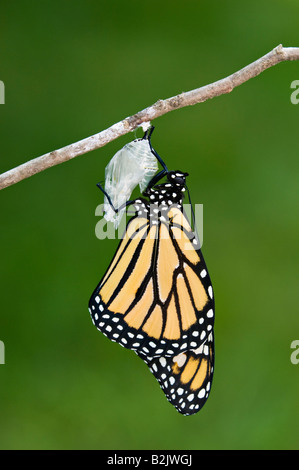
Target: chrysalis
(134,164)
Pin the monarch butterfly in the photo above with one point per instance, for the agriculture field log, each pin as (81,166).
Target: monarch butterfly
(156,297)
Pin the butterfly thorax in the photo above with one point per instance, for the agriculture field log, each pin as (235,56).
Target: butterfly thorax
(170,192)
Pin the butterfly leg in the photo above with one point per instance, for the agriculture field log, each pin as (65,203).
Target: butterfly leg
(155,179)
(116,210)
(148,135)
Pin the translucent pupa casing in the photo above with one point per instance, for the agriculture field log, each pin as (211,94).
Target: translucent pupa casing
(132,165)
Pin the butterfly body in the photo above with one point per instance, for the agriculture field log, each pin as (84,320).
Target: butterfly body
(156,297)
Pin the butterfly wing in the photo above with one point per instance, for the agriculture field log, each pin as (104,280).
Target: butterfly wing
(186,378)
(156,297)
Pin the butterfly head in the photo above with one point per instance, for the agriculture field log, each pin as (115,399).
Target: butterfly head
(177,178)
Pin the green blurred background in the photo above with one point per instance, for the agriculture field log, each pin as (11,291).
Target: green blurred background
(72,69)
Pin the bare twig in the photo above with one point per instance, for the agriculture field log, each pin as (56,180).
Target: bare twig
(226,85)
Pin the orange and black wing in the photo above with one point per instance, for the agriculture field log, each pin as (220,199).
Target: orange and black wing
(185,379)
(156,297)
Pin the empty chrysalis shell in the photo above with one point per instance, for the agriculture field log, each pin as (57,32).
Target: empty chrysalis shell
(132,165)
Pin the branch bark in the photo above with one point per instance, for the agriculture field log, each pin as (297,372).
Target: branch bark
(199,95)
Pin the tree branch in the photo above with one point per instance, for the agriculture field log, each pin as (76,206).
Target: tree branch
(199,95)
